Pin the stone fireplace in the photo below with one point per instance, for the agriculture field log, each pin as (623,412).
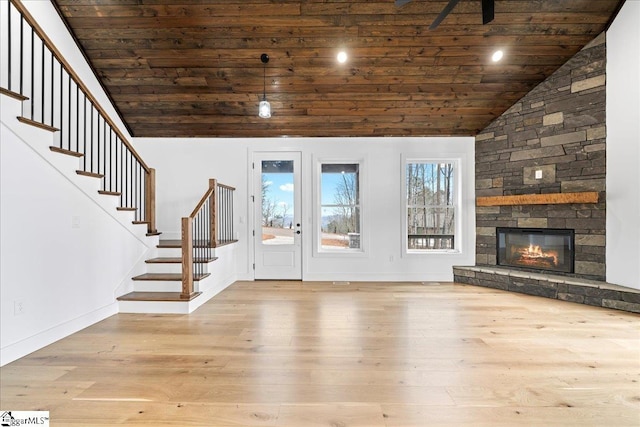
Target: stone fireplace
(543,249)
(550,143)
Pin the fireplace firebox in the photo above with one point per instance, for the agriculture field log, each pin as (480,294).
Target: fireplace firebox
(548,249)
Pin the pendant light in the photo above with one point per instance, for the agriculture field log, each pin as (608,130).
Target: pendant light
(264,109)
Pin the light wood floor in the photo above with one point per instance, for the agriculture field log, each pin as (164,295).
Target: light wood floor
(318,354)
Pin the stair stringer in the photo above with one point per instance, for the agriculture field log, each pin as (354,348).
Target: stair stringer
(40,140)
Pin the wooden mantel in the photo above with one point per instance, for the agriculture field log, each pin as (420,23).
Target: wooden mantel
(539,199)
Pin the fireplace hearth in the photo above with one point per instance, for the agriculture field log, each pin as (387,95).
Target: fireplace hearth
(547,249)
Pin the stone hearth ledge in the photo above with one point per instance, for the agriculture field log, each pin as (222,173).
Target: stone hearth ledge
(565,288)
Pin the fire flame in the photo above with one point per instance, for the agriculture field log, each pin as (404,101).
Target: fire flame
(534,251)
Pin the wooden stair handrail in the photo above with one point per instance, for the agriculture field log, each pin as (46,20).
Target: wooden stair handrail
(203,199)
(47,41)
(211,197)
(228,187)
(150,176)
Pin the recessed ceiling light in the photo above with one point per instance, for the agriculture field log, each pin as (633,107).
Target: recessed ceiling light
(497,56)
(342,57)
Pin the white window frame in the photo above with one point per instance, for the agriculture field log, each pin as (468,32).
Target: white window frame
(318,251)
(457,200)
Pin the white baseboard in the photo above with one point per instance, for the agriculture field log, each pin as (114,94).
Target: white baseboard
(379,277)
(28,345)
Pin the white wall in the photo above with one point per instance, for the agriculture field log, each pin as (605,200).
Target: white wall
(623,147)
(184,166)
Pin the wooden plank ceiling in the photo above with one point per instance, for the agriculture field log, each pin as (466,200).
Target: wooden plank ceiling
(186,68)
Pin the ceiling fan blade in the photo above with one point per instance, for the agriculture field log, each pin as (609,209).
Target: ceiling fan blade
(448,8)
(400,3)
(487,11)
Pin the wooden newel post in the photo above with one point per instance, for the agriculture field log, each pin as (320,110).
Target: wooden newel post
(150,201)
(187,258)
(213,209)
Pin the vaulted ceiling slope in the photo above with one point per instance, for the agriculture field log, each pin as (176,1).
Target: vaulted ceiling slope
(186,68)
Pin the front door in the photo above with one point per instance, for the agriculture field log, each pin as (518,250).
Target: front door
(277,224)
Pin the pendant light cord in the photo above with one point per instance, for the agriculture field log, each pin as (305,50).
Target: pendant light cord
(264,58)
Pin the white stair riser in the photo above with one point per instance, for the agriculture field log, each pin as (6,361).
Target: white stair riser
(159,286)
(177,252)
(170,268)
(170,252)
(164,268)
(150,307)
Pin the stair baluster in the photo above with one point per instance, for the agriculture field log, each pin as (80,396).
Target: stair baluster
(32,62)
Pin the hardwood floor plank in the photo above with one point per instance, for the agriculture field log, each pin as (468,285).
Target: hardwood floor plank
(321,415)
(419,415)
(366,354)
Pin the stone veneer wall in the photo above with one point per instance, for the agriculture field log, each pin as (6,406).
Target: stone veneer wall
(558,128)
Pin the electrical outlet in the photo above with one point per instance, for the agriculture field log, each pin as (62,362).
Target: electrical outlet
(75,222)
(390,258)
(18,307)
(538,174)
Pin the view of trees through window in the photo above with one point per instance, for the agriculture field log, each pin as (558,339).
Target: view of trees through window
(340,206)
(430,205)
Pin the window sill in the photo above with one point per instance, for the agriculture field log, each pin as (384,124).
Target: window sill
(432,252)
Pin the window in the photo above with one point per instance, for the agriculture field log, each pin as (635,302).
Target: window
(339,207)
(431,206)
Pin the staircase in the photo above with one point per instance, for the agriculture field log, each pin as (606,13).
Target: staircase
(165,287)
(160,289)
(163,280)
(48,105)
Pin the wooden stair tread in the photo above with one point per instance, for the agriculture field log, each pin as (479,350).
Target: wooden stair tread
(109,193)
(65,151)
(139,222)
(90,174)
(37,124)
(226,242)
(168,276)
(126,208)
(157,296)
(154,233)
(177,260)
(13,94)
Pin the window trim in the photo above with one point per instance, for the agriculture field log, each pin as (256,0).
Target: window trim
(318,251)
(457,162)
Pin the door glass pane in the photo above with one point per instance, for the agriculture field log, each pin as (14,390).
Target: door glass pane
(277,202)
